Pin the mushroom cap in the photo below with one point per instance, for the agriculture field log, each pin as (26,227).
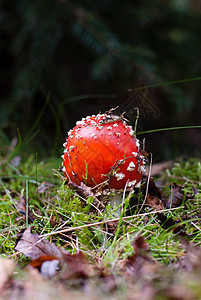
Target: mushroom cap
(103,147)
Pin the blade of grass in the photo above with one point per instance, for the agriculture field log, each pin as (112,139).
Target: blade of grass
(27,203)
(168,129)
(168,83)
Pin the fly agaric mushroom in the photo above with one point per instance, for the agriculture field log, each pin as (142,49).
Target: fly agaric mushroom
(103,148)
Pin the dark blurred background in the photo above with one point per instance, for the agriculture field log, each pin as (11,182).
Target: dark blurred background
(62,60)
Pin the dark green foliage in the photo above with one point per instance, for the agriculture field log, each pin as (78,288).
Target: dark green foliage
(79,48)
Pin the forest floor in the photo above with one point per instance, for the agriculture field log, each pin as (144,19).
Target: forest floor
(55,244)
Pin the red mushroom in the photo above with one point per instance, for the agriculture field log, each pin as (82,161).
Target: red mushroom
(103,147)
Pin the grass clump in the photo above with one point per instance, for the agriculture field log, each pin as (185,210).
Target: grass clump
(187,173)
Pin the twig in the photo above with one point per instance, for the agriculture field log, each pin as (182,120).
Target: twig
(107,221)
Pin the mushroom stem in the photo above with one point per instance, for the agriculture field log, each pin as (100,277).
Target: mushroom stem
(116,198)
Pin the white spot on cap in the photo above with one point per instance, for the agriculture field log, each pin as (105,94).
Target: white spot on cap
(131,166)
(78,136)
(115,125)
(141,169)
(119,176)
(93,136)
(137,143)
(64,144)
(70,131)
(118,134)
(93,122)
(134,154)
(71,148)
(109,128)
(62,156)
(131,183)
(131,132)
(66,150)
(80,122)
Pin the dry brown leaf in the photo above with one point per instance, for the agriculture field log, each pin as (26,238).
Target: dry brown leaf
(176,196)
(76,266)
(140,247)
(34,247)
(37,263)
(86,192)
(140,264)
(154,202)
(191,261)
(152,188)
(154,196)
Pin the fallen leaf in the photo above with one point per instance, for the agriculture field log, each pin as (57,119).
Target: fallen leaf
(76,266)
(154,202)
(154,195)
(192,259)
(47,265)
(37,263)
(176,197)
(87,192)
(140,250)
(31,245)
(152,188)
(140,264)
